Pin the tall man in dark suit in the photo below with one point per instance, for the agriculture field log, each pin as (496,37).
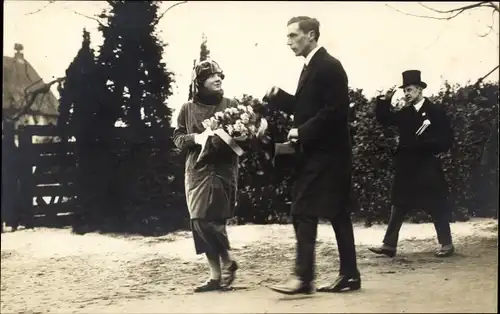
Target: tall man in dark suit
(323,165)
(419,181)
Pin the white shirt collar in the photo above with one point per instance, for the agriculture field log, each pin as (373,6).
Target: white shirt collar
(419,104)
(311,55)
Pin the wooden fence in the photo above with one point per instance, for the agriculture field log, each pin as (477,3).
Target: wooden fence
(41,175)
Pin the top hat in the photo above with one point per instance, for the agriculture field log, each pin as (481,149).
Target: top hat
(412,77)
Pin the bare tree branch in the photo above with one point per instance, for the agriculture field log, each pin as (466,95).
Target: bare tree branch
(46,5)
(460,9)
(81,14)
(168,9)
(490,27)
(68,9)
(30,97)
(482,78)
(494,6)
(426,16)
(452,13)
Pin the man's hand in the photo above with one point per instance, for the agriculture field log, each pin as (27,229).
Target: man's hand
(388,95)
(272,92)
(262,128)
(258,107)
(293,134)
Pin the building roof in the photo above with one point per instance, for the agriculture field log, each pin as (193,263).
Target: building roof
(19,76)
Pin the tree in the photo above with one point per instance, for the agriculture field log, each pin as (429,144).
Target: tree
(130,84)
(77,102)
(81,102)
(130,65)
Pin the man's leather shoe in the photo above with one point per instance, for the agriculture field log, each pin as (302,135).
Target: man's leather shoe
(293,286)
(445,251)
(383,251)
(342,283)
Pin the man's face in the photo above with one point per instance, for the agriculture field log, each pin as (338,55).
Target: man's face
(412,93)
(298,41)
(213,82)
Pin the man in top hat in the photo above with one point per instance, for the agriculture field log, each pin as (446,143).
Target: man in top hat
(419,183)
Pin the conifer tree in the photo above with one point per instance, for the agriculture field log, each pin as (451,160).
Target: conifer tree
(131,66)
(77,102)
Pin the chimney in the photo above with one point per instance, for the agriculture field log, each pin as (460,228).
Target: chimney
(19,55)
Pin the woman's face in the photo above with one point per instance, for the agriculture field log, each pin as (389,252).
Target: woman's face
(213,82)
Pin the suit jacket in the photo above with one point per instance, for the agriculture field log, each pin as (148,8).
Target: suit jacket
(419,180)
(320,107)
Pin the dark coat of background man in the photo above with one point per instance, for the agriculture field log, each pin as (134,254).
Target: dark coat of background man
(419,182)
(323,165)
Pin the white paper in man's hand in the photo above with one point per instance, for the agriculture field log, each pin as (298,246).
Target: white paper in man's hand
(424,126)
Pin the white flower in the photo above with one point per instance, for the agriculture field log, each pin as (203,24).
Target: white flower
(250,109)
(241,108)
(234,110)
(237,127)
(245,118)
(219,115)
(213,123)
(230,129)
(206,123)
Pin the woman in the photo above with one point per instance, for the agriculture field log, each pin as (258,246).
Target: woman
(211,183)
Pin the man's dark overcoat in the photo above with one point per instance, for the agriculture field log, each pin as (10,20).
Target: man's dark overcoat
(419,180)
(323,167)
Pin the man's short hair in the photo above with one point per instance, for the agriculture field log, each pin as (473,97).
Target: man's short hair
(306,24)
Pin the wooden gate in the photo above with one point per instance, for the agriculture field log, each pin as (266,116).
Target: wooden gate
(46,173)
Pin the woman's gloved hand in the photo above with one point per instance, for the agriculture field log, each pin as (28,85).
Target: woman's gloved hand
(201,138)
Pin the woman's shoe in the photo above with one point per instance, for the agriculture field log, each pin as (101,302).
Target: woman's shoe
(229,274)
(210,285)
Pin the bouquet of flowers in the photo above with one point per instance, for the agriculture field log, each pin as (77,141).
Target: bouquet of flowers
(235,125)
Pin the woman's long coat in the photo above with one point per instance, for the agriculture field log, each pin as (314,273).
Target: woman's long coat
(211,183)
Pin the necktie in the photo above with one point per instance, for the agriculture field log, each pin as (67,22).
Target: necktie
(304,69)
(302,74)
